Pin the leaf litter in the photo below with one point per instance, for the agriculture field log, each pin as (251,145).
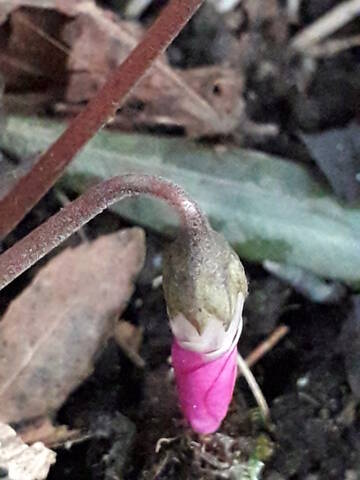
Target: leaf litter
(309,393)
(18,461)
(79,44)
(51,332)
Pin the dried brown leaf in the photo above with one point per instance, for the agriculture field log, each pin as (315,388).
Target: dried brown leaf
(163,89)
(20,461)
(50,435)
(28,61)
(74,48)
(64,6)
(51,332)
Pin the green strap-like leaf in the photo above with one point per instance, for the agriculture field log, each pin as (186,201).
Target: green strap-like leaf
(268,208)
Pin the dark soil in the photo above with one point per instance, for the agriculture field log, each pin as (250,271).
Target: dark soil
(315,417)
(126,411)
(315,422)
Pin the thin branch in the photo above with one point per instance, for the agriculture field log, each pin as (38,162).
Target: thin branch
(254,387)
(135,8)
(333,47)
(293,11)
(100,109)
(59,227)
(267,345)
(255,356)
(329,23)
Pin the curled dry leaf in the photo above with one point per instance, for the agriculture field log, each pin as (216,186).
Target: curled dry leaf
(8,6)
(50,435)
(75,45)
(19,461)
(51,332)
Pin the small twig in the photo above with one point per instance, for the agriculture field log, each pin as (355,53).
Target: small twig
(129,339)
(308,398)
(254,387)
(326,25)
(100,109)
(266,345)
(158,469)
(333,47)
(164,441)
(292,8)
(136,7)
(255,356)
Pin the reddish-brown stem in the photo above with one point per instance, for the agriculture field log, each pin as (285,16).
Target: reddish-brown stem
(73,216)
(265,346)
(28,191)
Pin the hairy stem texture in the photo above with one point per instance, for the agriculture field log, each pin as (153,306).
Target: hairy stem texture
(73,216)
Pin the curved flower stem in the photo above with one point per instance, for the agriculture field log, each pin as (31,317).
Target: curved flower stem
(73,216)
(30,188)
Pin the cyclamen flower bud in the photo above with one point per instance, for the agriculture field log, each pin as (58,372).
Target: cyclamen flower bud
(204,284)
(205,288)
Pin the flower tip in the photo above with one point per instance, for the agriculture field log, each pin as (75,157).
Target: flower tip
(204,387)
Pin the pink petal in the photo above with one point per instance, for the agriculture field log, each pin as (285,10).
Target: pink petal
(205,388)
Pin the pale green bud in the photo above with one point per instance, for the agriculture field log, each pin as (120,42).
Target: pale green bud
(205,285)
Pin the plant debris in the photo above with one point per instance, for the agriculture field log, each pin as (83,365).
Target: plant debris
(79,45)
(18,461)
(47,352)
(264,96)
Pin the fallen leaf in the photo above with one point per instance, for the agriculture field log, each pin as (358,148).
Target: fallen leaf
(50,435)
(8,6)
(166,96)
(28,61)
(51,332)
(243,192)
(18,461)
(337,154)
(74,46)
